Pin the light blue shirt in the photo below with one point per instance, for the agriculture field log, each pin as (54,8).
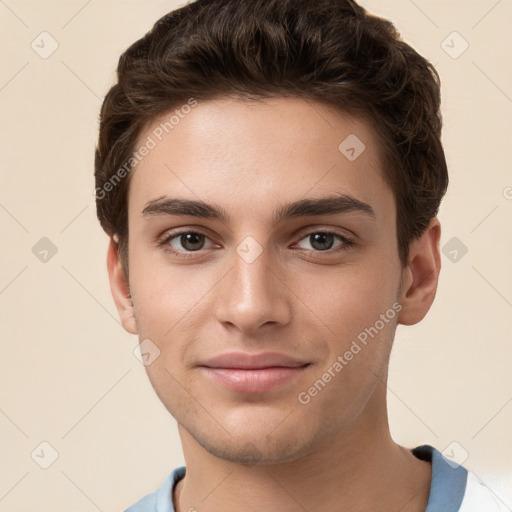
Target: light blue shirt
(447,487)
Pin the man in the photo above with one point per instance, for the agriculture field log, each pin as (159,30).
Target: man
(269,172)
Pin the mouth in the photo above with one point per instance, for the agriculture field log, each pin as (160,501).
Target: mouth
(246,373)
(255,380)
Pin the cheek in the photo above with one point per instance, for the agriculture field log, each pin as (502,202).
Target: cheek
(167,296)
(348,299)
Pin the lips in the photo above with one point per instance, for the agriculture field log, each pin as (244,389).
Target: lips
(245,361)
(252,373)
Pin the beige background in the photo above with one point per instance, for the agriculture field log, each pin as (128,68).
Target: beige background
(67,372)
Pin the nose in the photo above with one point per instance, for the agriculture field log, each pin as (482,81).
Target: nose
(252,295)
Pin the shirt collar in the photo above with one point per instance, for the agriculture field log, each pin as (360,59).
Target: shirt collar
(448,483)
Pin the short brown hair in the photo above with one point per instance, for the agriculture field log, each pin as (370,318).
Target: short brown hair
(332,51)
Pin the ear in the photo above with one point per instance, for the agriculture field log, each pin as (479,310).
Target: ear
(420,277)
(120,288)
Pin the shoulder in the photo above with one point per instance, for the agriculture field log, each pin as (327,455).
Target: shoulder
(161,499)
(480,497)
(453,487)
(145,504)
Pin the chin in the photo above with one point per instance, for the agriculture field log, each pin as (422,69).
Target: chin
(258,446)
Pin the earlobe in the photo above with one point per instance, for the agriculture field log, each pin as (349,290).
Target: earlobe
(421,276)
(120,289)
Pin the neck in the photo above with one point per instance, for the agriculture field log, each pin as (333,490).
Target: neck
(356,470)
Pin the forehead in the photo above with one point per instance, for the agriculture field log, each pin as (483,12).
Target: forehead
(247,154)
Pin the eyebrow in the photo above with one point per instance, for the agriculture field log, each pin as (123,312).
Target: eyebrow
(303,207)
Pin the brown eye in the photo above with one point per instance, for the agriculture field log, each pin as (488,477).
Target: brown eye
(321,241)
(185,242)
(191,241)
(324,241)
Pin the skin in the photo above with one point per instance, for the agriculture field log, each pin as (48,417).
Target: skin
(334,453)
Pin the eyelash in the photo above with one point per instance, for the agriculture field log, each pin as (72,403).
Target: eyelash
(346,245)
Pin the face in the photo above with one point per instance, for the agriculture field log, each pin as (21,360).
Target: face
(282,246)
